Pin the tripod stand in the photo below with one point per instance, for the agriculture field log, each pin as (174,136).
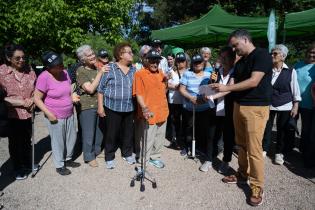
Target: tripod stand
(141,172)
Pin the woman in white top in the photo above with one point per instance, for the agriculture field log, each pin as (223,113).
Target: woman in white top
(284,103)
(175,100)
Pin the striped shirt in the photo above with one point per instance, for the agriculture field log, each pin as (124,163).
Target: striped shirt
(117,89)
(193,83)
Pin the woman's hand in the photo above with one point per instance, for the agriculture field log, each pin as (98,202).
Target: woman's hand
(101,111)
(294,110)
(28,103)
(193,99)
(52,118)
(75,98)
(105,69)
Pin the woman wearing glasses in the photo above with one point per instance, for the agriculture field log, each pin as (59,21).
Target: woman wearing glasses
(19,82)
(284,104)
(115,104)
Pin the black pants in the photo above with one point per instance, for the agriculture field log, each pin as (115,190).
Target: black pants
(119,127)
(204,130)
(285,137)
(307,146)
(174,123)
(20,145)
(225,127)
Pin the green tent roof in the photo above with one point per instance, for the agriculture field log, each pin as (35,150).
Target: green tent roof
(300,23)
(212,28)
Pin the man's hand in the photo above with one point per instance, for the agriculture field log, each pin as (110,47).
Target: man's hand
(193,99)
(101,112)
(294,110)
(52,118)
(146,113)
(219,87)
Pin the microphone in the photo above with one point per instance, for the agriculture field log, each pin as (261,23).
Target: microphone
(215,73)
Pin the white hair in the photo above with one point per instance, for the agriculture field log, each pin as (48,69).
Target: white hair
(81,51)
(282,48)
(143,49)
(205,50)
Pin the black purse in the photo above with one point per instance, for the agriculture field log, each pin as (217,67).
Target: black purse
(4,121)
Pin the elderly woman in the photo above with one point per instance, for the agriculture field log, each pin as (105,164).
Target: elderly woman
(306,77)
(115,103)
(53,96)
(88,78)
(190,85)
(19,82)
(284,103)
(175,100)
(206,54)
(142,53)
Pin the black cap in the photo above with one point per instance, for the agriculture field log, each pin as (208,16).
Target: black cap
(197,58)
(156,42)
(180,57)
(51,59)
(102,53)
(153,54)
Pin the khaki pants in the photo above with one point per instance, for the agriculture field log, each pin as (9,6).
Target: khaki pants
(155,138)
(250,123)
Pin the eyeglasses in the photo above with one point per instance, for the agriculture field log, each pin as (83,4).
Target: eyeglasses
(18,58)
(130,52)
(274,53)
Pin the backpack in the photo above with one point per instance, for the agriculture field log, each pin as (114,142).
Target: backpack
(4,121)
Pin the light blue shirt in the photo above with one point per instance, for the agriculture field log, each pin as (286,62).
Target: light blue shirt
(192,83)
(208,69)
(306,77)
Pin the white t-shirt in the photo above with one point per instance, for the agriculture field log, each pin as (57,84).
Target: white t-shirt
(164,65)
(220,111)
(174,96)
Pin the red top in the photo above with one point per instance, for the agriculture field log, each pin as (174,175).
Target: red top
(19,85)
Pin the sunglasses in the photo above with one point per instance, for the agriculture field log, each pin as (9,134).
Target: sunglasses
(154,61)
(18,58)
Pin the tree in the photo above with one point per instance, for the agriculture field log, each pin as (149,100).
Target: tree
(61,25)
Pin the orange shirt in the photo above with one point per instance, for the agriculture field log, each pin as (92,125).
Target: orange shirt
(152,88)
(99,65)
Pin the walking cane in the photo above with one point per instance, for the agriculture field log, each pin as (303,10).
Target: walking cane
(33,147)
(193,142)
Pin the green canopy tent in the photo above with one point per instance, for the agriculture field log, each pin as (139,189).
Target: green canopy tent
(300,24)
(211,29)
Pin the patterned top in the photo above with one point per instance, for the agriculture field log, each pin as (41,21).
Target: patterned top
(87,101)
(19,85)
(117,89)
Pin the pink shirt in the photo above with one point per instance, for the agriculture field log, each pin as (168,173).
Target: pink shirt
(19,85)
(57,96)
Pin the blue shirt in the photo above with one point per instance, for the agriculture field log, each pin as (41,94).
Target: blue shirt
(192,83)
(208,69)
(306,77)
(117,89)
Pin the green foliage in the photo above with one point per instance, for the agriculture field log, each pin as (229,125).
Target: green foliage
(61,25)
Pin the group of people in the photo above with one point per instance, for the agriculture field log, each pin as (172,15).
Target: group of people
(118,104)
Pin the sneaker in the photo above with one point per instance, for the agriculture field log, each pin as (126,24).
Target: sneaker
(110,164)
(234,179)
(36,167)
(72,164)
(279,159)
(157,163)
(183,152)
(205,166)
(130,160)
(264,154)
(223,168)
(63,171)
(256,198)
(93,163)
(20,175)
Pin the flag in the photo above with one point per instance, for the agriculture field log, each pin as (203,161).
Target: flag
(271,33)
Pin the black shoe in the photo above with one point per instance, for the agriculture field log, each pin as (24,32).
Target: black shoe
(72,164)
(63,171)
(20,175)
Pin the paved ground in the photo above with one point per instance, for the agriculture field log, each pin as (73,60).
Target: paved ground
(180,185)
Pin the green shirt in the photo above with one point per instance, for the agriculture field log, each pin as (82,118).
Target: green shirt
(87,101)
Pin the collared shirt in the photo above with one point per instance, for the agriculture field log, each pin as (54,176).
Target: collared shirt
(19,85)
(220,110)
(151,86)
(295,89)
(117,89)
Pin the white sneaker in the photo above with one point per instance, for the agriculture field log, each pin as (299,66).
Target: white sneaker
(279,159)
(264,154)
(224,167)
(205,166)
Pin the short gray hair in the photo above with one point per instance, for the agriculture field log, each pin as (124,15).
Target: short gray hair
(282,48)
(81,51)
(143,49)
(205,49)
